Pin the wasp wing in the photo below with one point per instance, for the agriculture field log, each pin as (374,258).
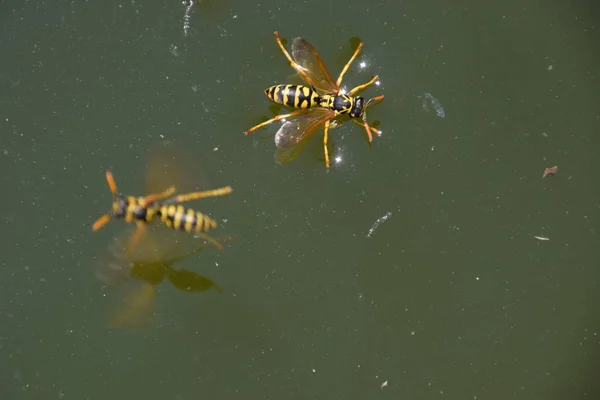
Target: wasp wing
(295,129)
(138,270)
(289,139)
(135,299)
(168,165)
(137,308)
(113,267)
(143,254)
(313,69)
(189,281)
(284,156)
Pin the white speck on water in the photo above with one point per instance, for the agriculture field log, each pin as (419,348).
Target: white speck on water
(377,222)
(542,238)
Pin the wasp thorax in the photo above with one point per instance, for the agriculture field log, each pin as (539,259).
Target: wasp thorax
(140,212)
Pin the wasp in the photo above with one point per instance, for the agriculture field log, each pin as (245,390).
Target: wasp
(318,103)
(163,207)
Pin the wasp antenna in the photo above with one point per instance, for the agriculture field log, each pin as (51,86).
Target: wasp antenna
(111,182)
(374,100)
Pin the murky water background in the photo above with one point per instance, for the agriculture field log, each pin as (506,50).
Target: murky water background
(413,262)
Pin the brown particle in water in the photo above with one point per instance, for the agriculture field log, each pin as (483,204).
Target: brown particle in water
(550,171)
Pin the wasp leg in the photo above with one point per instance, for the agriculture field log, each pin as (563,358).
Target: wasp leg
(292,62)
(339,81)
(100,222)
(151,198)
(377,131)
(325,137)
(199,195)
(210,240)
(363,86)
(277,118)
(367,128)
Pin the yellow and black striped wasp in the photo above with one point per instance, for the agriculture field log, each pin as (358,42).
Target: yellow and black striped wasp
(317,104)
(139,270)
(163,207)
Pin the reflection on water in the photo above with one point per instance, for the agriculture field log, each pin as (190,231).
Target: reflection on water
(138,272)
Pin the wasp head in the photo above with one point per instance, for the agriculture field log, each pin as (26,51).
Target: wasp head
(119,206)
(358,107)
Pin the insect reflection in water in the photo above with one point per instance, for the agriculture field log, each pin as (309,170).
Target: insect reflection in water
(138,271)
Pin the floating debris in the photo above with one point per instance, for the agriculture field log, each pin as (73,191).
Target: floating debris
(379,221)
(550,171)
(428,100)
(541,238)
(384,384)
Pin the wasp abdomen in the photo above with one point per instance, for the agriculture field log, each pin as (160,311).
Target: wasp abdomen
(296,96)
(189,220)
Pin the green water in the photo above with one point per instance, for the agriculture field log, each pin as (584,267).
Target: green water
(450,296)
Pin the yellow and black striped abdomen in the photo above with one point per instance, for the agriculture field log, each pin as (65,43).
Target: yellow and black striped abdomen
(189,220)
(296,96)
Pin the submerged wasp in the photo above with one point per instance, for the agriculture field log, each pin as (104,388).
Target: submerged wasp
(317,104)
(163,207)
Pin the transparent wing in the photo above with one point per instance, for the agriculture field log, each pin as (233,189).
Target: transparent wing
(113,268)
(135,299)
(138,254)
(317,75)
(137,308)
(119,263)
(138,270)
(299,127)
(168,165)
(284,156)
